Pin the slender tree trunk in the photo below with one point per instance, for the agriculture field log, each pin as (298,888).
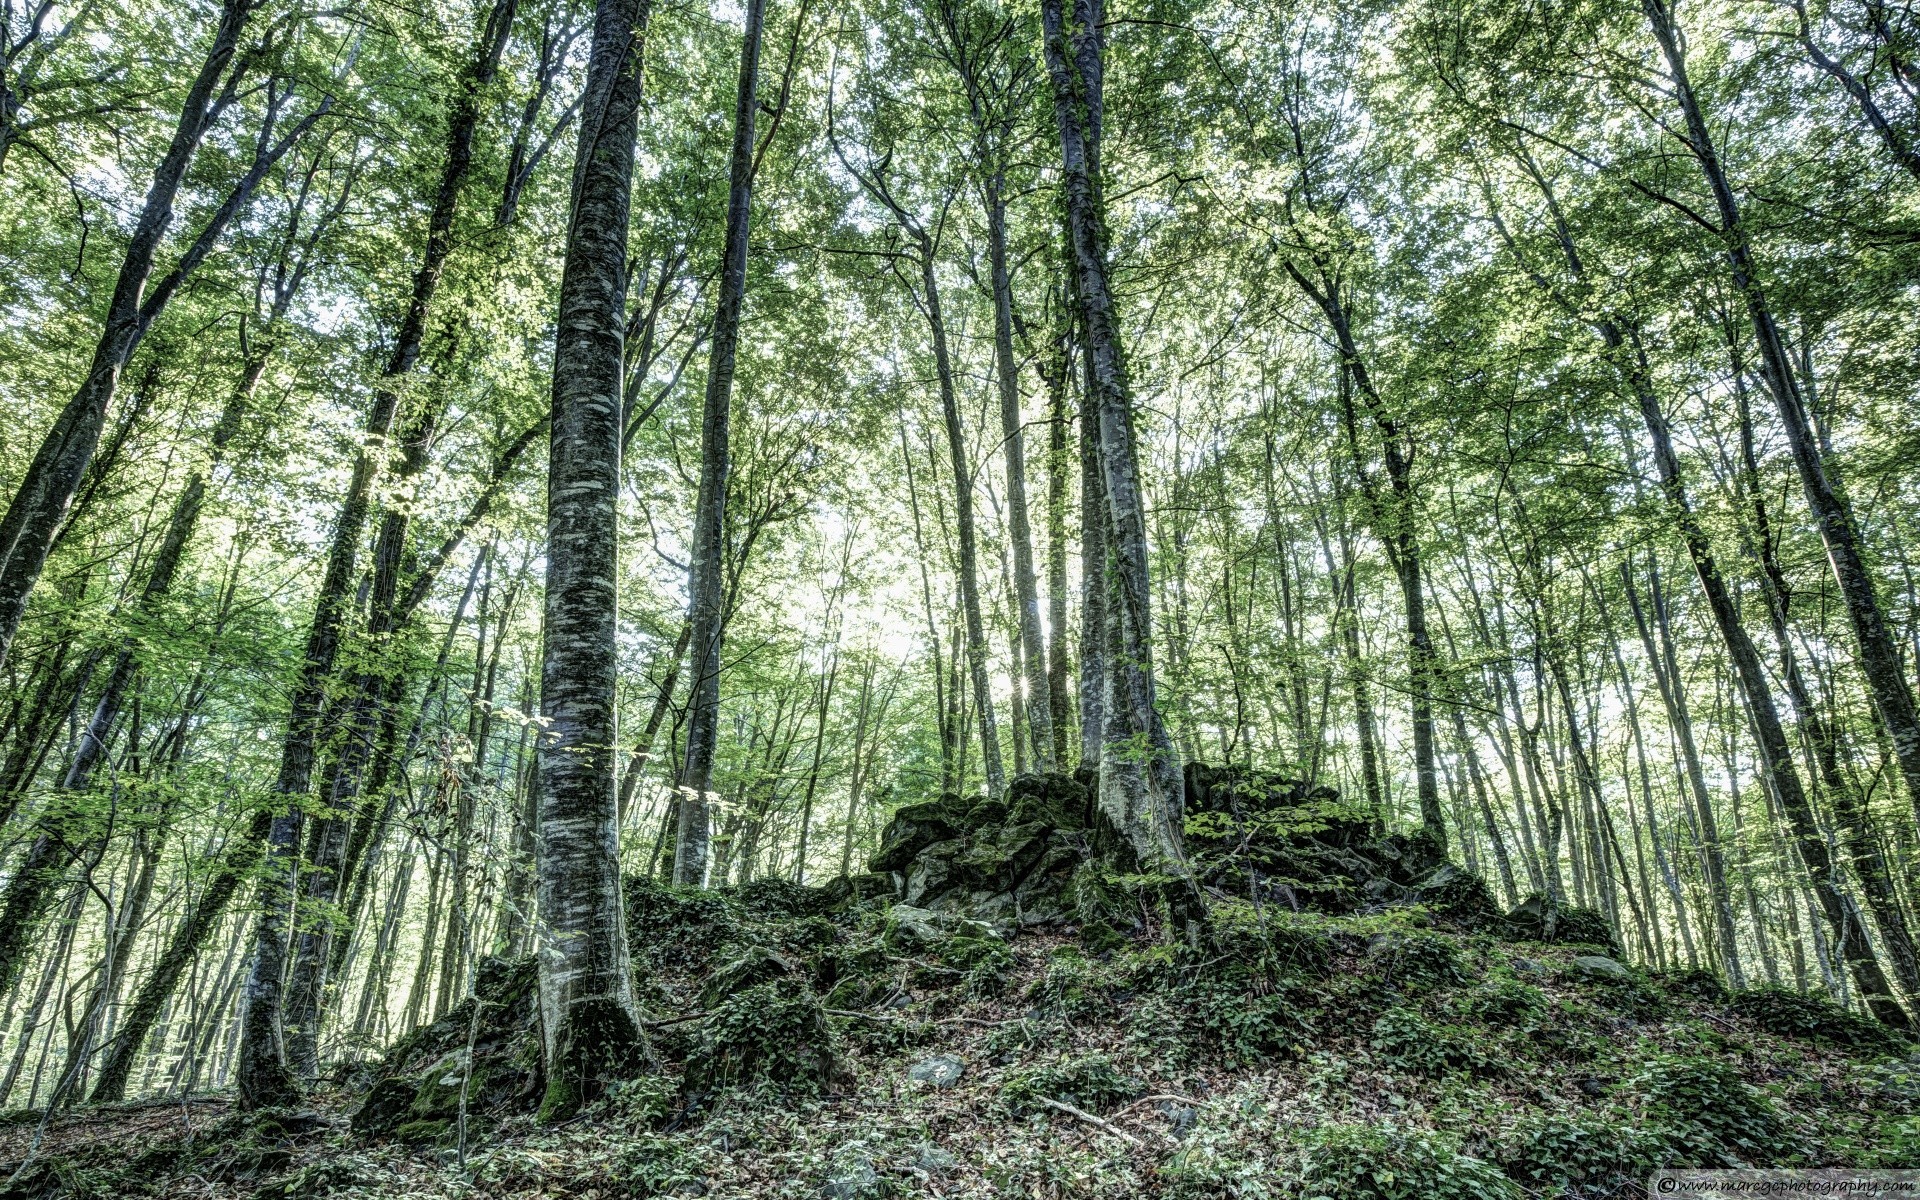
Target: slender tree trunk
(1059,707)
(977,648)
(1870,867)
(592,1029)
(1033,650)
(706,583)
(662,703)
(1776,762)
(39,508)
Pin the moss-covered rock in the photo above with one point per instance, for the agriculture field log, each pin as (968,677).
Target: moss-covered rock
(1536,920)
(425,1075)
(771,1033)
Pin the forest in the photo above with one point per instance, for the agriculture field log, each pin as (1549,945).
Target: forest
(863,598)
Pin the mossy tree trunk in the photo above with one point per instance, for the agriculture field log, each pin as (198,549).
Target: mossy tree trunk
(592,1031)
(1141,790)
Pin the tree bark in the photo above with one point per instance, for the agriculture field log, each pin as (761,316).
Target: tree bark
(706,608)
(1141,789)
(591,1025)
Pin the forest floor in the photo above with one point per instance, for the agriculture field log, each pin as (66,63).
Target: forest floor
(1385,1055)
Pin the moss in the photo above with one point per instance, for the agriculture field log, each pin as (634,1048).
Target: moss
(598,1043)
(423,1131)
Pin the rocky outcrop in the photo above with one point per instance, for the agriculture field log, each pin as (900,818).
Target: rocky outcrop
(1045,855)
(487,1050)
(1010,862)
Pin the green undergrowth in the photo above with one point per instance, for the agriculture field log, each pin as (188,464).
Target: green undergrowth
(1289,1055)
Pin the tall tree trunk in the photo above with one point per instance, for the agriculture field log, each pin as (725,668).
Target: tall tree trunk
(1776,761)
(1395,522)
(1870,867)
(1039,713)
(592,1031)
(706,607)
(1141,790)
(1059,707)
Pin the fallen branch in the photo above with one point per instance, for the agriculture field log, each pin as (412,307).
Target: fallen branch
(851,1012)
(1081,1114)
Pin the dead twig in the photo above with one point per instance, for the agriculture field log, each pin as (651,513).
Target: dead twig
(1080,1114)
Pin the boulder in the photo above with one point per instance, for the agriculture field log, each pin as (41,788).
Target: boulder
(1536,920)
(1599,966)
(916,827)
(1008,862)
(942,1070)
(417,1095)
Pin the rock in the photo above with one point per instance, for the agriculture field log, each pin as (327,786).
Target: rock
(909,925)
(1597,966)
(752,965)
(853,1176)
(849,891)
(771,1033)
(916,827)
(417,1095)
(1570,923)
(1183,1118)
(942,1070)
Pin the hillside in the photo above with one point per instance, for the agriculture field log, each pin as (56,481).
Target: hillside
(817,1042)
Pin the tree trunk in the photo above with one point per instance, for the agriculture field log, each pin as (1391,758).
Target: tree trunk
(1141,790)
(706,582)
(1776,754)
(592,1029)
(39,507)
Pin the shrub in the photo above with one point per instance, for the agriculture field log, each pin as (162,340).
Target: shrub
(1253,1028)
(987,961)
(1415,961)
(1708,1115)
(1384,1162)
(1583,1155)
(1073,985)
(1813,1017)
(1412,1043)
(675,925)
(1502,1001)
(768,1033)
(1091,1082)
(1462,898)
(775,899)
